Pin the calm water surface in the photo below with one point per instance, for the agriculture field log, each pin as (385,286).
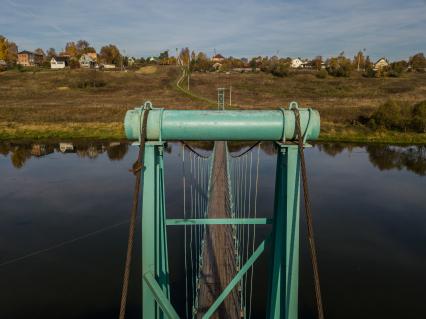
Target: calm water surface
(64,222)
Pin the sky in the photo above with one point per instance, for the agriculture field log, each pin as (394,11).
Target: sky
(395,29)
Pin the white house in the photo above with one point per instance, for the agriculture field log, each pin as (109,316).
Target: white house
(381,63)
(88,60)
(296,63)
(131,61)
(58,62)
(218,58)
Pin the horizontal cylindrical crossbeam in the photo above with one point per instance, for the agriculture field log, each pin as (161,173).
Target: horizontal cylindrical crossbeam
(232,125)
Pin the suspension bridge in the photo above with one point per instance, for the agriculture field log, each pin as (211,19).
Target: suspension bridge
(219,213)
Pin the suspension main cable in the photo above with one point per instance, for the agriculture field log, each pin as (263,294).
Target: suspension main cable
(246,151)
(309,221)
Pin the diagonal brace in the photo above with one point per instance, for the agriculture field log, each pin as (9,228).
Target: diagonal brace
(159,296)
(237,278)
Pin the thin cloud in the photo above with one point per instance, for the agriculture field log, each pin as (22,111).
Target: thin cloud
(394,28)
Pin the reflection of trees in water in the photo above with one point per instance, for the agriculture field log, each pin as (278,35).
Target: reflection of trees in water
(334,149)
(269,148)
(386,157)
(4,149)
(19,153)
(117,151)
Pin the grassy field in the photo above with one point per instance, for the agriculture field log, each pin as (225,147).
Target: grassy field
(88,104)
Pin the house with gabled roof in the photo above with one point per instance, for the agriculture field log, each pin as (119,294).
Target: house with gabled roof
(88,60)
(381,63)
(28,58)
(58,62)
(218,58)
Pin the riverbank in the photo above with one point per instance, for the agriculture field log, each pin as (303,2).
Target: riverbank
(330,132)
(84,104)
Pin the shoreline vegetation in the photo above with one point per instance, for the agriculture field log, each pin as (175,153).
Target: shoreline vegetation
(90,104)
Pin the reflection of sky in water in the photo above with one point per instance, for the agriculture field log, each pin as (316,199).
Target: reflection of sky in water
(370,226)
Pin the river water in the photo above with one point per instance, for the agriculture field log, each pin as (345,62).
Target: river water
(64,212)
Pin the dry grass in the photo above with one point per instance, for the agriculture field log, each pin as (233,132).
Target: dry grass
(85,102)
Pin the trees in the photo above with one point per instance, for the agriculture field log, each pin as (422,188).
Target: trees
(110,54)
(8,50)
(359,61)
(339,66)
(51,52)
(317,62)
(418,62)
(71,49)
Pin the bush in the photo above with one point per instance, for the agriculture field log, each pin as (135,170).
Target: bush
(401,116)
(369,73)
(280,70)
(339,66)
(419,117)
(321,74)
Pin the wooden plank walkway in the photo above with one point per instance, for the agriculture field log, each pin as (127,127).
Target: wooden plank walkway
(219,265)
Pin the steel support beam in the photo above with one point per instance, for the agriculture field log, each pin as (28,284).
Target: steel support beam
(154,238)
(284,267)
(259,250)
(159,296)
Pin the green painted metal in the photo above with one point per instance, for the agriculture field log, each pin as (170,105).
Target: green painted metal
(259,250)
(228,125)
(162,300)
(284,273)
(154,239)
(219,221)
(164,125)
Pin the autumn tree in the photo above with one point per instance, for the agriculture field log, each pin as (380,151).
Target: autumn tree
(316,63)
(8,50)
(81,46)
(71,49)
(110,54)
(185,63)
(339,66)
(418,62)
(359,60)
(51,52)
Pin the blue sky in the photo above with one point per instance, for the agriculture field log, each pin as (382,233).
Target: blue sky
(305,28)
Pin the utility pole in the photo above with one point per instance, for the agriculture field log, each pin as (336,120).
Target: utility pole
(221,98)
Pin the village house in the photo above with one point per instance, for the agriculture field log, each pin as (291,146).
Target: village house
(218,58)
(296,63)
(27,58)
(131,61)
(88,60)
(381,63)
(58,62)
(299,63)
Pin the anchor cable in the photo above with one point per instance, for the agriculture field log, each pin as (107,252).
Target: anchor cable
(137,171)
(309,222)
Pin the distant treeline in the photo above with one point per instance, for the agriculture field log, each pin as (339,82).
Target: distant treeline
(191,61)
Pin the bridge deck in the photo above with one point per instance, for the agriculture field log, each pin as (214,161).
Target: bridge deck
(219,265)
